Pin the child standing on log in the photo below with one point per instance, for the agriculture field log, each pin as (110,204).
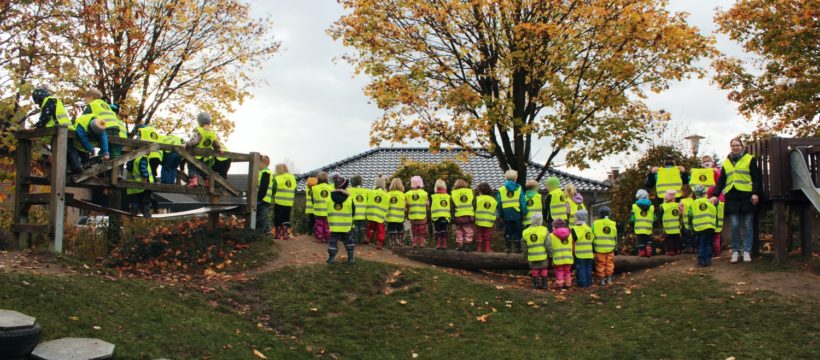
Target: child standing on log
(440,212)
(605,239)
(396,212)
(377,207)
(555,204)
(535,238)
(512,210)
(687,237)
(340,211)
(642,220)
(582,237)
(534,202)
(360,198)
(417,205)
(561,251)
(464,215)
(485,215)
(321,196)
(309,183)
(703,220)
(670,212)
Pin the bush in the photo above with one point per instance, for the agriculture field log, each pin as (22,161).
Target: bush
(430,172)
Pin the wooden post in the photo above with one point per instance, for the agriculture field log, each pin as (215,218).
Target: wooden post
(253,188)
(213,216)
(59,153)
(22,161)
(781,232)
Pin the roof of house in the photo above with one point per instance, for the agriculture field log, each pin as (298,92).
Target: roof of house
(482,166)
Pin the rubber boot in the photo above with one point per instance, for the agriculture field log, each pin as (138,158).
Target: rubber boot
(648,251)
(379,244)
(330,258)
(603,281)
(609,279)
(509,247)
(285,233)
(350,259)
(487,246)
(544,283)
(518,246)
(207,182)
(146,214)
(536,283)
(641,252)
(193,181)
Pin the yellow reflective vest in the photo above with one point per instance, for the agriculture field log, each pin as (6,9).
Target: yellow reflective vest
(561,252)
(687,204)
(704,215)
(360,202)
(148,133)
(269,194)
(643,219)
(671,218)
(605,233)
(669,179)
(321,195)
(60,115)
(440,207)
(136,176)
(285,189)
(536,238)
(738,175)
(395,213)
(510,199)
(583,241)
(485,211)
(558,205)
(417,203)
(340,216)
(702,176)
(463,201)
(378,204)
(535,205)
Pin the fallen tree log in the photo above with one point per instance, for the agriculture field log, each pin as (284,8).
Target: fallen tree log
(502,261)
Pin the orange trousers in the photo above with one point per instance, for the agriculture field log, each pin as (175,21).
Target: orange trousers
(604,264)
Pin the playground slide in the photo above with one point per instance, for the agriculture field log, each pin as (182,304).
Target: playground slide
(202,210)
(801,178)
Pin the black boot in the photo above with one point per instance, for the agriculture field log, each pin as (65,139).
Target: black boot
(518,246)
(509,246)
(330,258)
(544,283)
(536,284)
(350,259)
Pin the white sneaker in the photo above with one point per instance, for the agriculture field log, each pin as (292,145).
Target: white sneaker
(735,255)
(747,257)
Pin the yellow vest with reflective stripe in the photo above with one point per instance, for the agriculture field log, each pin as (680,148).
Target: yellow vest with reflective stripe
(704,215)
(84,121)
(148,133)
(687,203)
(536,238)
(206,139)
(136,176)
(643,220)
(440,207)
(510,199)
(573,208)
(395,212)
(703,176)
(340,216)
(59,113)
(103,111)
(463,201)
(583,243)
(377,205)
(485,207)
(269,194)
(321,196)
(738,176)
(558,204)
(671,218)
(669,179)
(308,203)
(720,214)
(534,206)
(561,252)
(360,202)
(417,203)
(606,235)
(285,189)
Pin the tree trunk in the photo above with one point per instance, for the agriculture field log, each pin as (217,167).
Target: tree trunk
(502,261)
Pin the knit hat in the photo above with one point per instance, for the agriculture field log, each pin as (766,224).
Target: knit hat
(578,198)
(559,223)
(97,126)
(581,216)
(356,180)
(340,182)
(604,211)
(416,182)
(203,118)
(553,182)
(699,190)
(670,195)
(311,181)
(537,219)
(641,194)
(333,176)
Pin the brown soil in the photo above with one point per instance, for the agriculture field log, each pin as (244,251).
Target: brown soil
(30,262)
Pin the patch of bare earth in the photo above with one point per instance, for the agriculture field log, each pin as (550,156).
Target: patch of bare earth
(27,261)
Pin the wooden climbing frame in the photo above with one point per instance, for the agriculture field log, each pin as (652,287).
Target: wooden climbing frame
(58,181)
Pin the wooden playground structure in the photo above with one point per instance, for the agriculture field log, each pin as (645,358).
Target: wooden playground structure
(106,175)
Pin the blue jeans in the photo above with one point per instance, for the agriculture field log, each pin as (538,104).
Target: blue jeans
(170,163)
(335,238)
(262,217)
(746,221)
(359,230)
(704,239)
(583,271)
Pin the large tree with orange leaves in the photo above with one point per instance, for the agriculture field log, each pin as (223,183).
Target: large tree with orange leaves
(500,74)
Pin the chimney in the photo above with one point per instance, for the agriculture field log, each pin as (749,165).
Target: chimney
(613,175)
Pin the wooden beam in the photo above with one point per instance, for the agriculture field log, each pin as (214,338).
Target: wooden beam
(23,170)
(213,175)
(32,228)
(781,232)
(59,154)
(108,165)
(34,134)
(80,204)
(253,188)
(35,198)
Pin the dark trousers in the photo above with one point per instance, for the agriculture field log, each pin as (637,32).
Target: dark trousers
(359,230)
(263,217)
(311,221)
(345,238)
(583,271)
(221,167)
(672,244)
(141,203)
(281,215)
(643,240)
(512,232)
(704,239)
(74,160)
(170,163)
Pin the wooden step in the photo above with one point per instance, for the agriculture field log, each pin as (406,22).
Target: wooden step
(35,198)
(31,228)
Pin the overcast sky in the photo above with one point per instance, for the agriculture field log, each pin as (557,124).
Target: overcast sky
(313,113)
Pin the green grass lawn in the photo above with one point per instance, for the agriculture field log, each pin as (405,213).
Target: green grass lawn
(343,311)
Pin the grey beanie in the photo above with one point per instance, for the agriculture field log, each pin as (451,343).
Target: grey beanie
(537,219)
(203,118)
(581,216)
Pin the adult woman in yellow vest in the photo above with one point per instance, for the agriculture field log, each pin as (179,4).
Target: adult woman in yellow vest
(360,199)
(140,199)
(418,205)
(582,237)
(512,208)
(708,176)
(485,215)
(52,113)
(535,204)
(668,177)
(320,195)
(284,190)
(203,137)
(555,204)
(441,211)
(703,219)
(340,211)
(378,204)
(561,250)
(643,221)
(535,240)
(740,181)
(464,215)
(264,196)
(396,212)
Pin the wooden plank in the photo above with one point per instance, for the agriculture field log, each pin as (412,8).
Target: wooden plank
(31,228)
(59,152)
(253,188)
(23,171)
(211,174)
(34,134)
(35,198)
(108,165)
(134,143)
(80,204)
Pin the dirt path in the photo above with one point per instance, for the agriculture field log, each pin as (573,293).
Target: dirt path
(30,262)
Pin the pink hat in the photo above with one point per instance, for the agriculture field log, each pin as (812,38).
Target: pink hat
(416,182)
(578,198)
(670,195)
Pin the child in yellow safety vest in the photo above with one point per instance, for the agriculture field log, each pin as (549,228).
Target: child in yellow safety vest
(396,212)
(555,203)
(605,232)
(485,215)
(535,204)
(309,183)
(670,214)
(560,248)
(464,215)
(535,249)
(575,201)
(441,208)
(643,220)
(378,205)
(320,195)
(687,236)
(418,204)
(140,199)
(583,237)
(340,212)
(360,198)
(709,167)
(512,209)
(703,220)
(283,189)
